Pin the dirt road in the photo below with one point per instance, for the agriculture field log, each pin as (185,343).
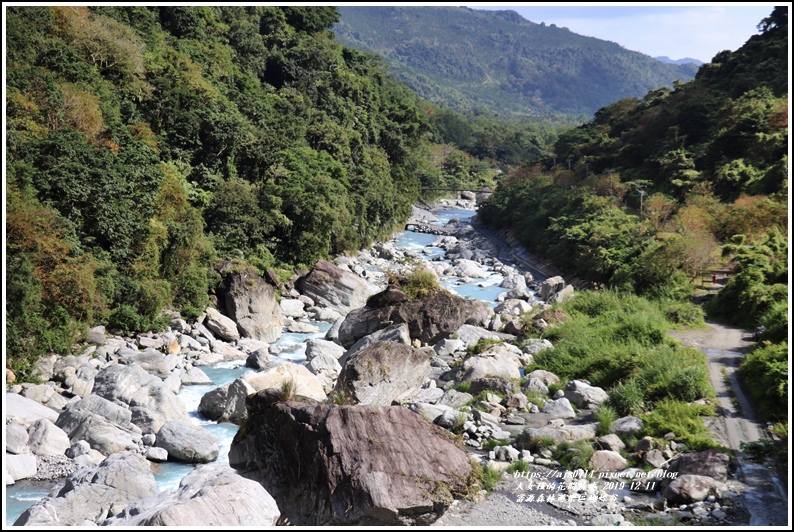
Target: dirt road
(760,491)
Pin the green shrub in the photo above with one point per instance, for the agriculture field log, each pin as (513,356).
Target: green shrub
(765,373)
(627,398)
(485,476)
(575,455)
(491,443)
(463,387)
(685,420)
(683,313)
(605,415)
(519,466)
(421,283)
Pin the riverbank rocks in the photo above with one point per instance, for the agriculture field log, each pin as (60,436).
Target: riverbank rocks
(705,463)
(187,442)
(565,433)
(382,372)
(350,465)
(559,408)
(333,287)
(607,461)
(27,410)
(429,319)
(499,360)
(45,438)
(210,495)
(106,426)
(224,327)
(250,302)
(19,466)
(551,286)
(93,494)
(154,401)
(294,376)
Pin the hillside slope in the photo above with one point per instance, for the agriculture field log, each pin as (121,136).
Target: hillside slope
(497,60)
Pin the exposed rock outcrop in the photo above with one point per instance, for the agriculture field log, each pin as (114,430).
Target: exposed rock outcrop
(331,286)
(93,494)
(345,465)
(382,372)
(210,495)
(429,319)
(251,302)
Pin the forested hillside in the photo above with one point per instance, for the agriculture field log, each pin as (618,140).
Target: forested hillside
(498,61)
(144,143)
(684,180)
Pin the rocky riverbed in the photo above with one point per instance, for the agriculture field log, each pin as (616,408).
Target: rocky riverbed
(385,419)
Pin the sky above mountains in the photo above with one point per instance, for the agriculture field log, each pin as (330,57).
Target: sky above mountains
(677,31)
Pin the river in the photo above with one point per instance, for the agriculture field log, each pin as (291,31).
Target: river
(25,493)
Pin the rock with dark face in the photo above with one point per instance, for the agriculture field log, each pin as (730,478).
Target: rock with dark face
(429,319)
(350,465)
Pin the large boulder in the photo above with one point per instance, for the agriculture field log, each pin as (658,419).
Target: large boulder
(471,334)
(151,361)
(226,403)
(93,494)
(382,372)
(350,465)
(333,287)
(687,489)
(106,426)
(496,361)
(394,333)
(16,439)
(295,376)
(210,495)
(565,433)
(26,410)
(45,438)
(429,319)
(318,346)
(626,426)
(583,395)
(222,326)
(607,461)
(19,466)
(187,442)
(131,385)
(705,463)
(559,409)
(551,286)
(251,302)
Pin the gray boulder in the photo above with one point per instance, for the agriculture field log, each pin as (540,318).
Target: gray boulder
(318,346)
(626,426)
(193,377)
(224,327)
(565,433)
(535,385)
(705,463)
(19,466)
(27,410)
(687,489)
(447,346)
(47,439)
(382,372)
(559,408)
(187,442)
(133,386)
(258,359)
(93,494)
(610,442)
(607,461)
(335,288)
(106,426)
(394,333)
(583,395)
(350,465)
(96,335)
(213,403)
(210,495)
(471,334)
(551,286)
(44,394)
(151,361)
(16,439)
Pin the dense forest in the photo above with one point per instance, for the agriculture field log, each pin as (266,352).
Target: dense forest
(469,59)
(654,191)
(145,143)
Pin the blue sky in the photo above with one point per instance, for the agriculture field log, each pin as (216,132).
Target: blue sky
(677,31)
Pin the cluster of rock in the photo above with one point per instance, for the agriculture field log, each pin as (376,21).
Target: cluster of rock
(359,433)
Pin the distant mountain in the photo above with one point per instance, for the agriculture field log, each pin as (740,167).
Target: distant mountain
(684,61)
(497,60)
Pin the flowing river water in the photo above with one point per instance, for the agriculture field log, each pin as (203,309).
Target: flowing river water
(25,493)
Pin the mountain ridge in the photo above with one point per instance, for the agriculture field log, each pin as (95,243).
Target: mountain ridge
(504,63)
